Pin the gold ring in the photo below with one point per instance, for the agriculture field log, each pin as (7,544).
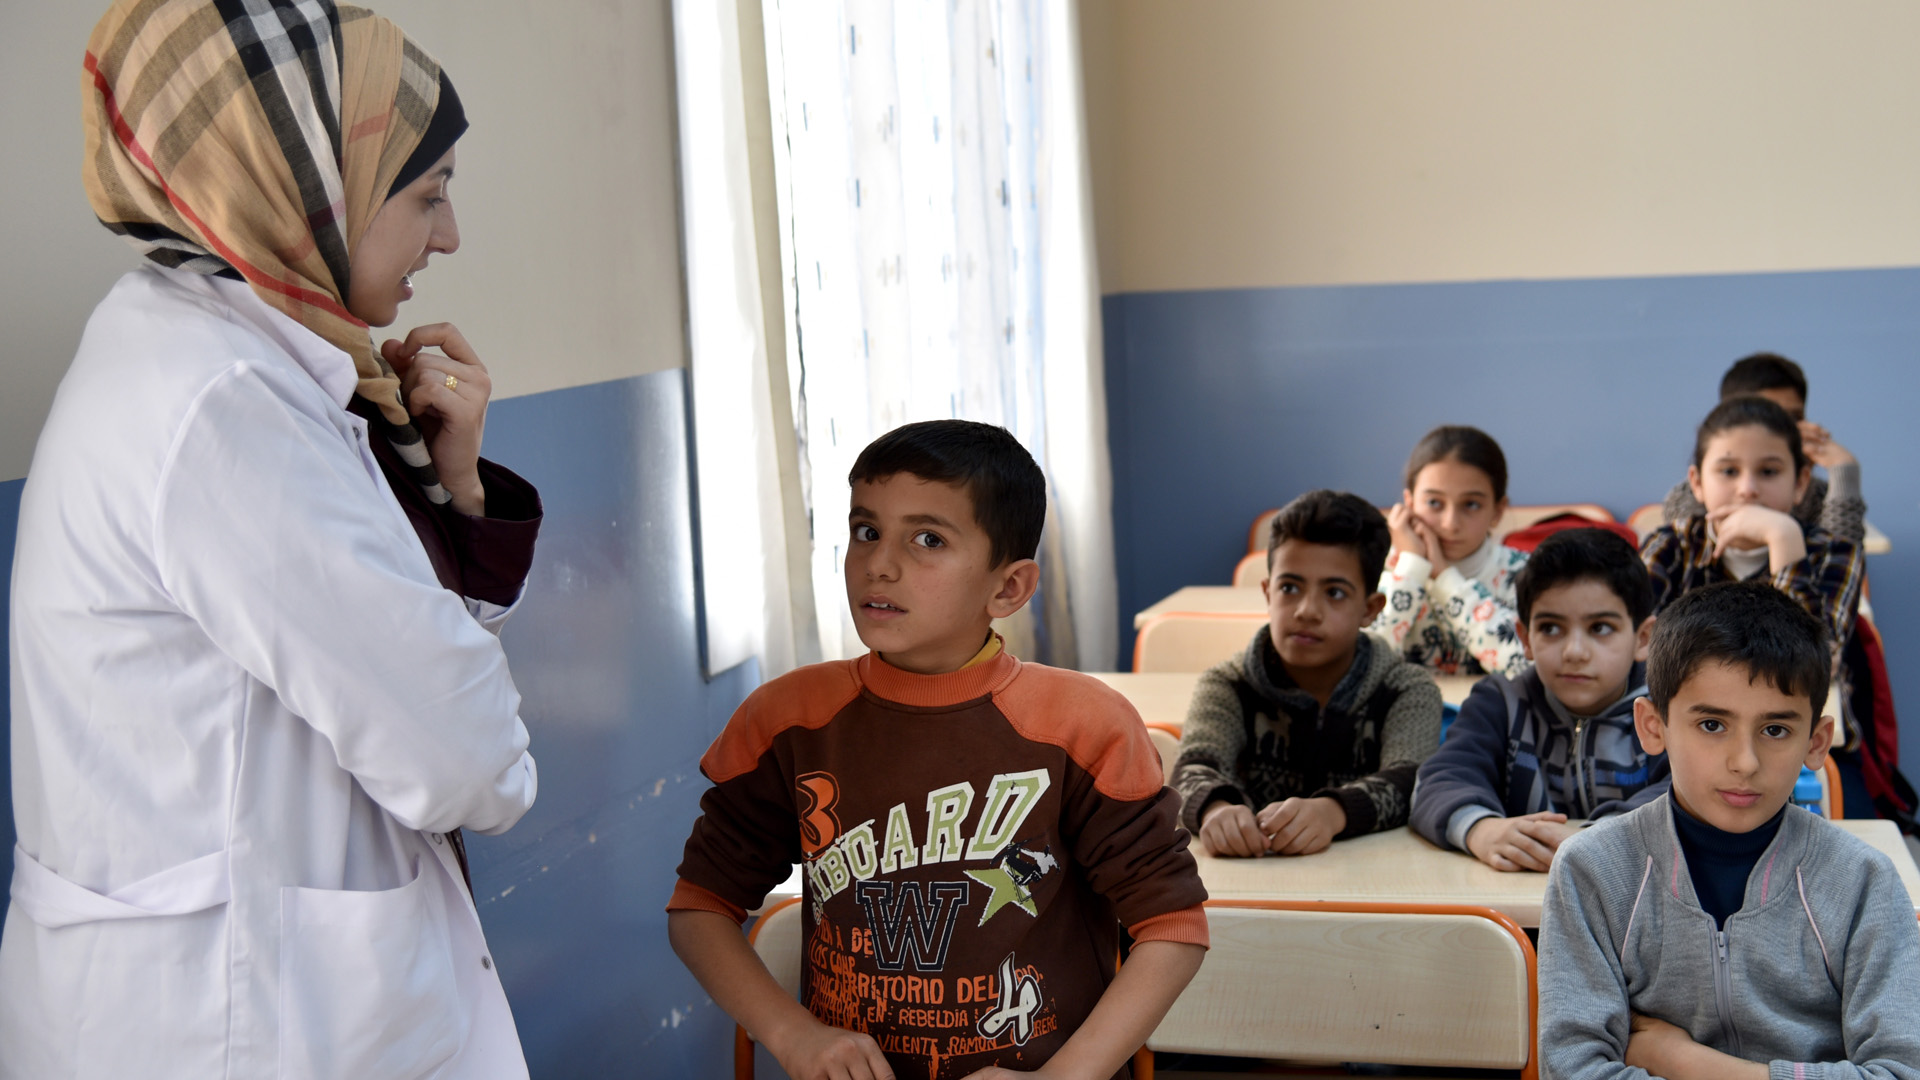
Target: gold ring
(452,382)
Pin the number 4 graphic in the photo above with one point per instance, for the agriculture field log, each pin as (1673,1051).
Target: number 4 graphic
(1019,1001)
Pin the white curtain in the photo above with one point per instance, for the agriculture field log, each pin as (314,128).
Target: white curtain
(756,594)
(930,169)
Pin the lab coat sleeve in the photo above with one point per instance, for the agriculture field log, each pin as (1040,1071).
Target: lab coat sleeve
(271,533)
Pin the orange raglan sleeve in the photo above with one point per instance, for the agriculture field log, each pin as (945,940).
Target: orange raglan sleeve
(1119,817)
(747,838)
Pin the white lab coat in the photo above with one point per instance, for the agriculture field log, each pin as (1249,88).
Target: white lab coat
(244,715)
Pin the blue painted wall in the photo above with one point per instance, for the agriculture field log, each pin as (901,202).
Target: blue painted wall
(1225,403)
(605,652)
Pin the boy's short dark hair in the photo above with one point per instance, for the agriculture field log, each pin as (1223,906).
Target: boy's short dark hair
(1337,519)
(1572,555)
(1747,624)
(1008,490)
(1763,371)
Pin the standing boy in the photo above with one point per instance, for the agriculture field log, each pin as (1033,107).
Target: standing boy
(1556,741)
(974,830)
(1314,733)
(1721,933)
(1834,504)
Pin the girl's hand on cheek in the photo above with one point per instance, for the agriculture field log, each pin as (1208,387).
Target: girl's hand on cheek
(1400,525)
(1436,552)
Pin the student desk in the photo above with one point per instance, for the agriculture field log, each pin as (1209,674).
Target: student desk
(1399,867)
(1232,599)
(1162,697)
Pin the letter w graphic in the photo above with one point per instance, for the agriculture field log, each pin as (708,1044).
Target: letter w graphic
(907,924)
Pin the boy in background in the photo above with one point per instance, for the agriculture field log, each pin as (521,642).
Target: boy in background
(1720,932)
(1314,733)
(974,830)
(1834,504)
(1556,741)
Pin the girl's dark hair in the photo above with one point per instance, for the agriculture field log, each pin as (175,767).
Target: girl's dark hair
(1466,445)
(1739,412)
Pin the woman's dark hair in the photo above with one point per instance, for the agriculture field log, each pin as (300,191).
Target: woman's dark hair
(1745,624)
(1742,412)
(1762,371)
(1008,490)
(1572,555)
(1337,519)
(1466,445)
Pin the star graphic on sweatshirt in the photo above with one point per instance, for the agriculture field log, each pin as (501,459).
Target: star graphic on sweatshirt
(1005,891)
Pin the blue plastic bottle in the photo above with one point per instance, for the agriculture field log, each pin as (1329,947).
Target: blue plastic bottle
(1806,790)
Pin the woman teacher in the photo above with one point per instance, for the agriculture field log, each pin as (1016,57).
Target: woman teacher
(255,692)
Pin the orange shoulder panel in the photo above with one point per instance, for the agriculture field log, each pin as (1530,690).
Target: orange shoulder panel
(806,697)
(1094,723)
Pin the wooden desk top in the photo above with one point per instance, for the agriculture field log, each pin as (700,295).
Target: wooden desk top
(1234,599)
(1400,867)
(1162,697)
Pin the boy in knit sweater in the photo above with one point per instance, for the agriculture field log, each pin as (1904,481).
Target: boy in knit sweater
(1557,740)
(1720,932)
(975,831)
(1314,733)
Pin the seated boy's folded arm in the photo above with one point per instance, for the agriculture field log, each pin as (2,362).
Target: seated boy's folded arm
(1584,1016)
(1880,985)
(1464,772)
(1210,740)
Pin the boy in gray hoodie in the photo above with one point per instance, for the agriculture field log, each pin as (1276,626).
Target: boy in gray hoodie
(1720,932)
(1556,740)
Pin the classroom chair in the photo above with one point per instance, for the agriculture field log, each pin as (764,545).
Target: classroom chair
(1646,519)
(1395,984)
(776,938)
(1251,570)
(1166,740)
(1192,640)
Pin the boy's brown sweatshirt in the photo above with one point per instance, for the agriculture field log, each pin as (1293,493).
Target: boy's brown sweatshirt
(972,842)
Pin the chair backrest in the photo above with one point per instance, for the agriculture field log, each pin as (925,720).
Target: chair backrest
(776,937)
(1251,570)
(1515,519)
(1519,517)
(1192,641)
(1396,984)
(1166,740)
(1646,519)
(1833,804)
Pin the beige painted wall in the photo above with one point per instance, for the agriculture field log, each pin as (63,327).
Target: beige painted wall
(569,267)
(1245,143)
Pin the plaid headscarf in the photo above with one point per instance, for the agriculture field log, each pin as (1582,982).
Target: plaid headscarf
(257,139)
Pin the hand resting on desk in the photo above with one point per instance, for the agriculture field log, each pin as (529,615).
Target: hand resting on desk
(1289,827)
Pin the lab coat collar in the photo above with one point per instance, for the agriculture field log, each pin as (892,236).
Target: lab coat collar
(326,363)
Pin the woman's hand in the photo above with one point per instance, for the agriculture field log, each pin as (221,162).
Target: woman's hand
(1409,534)
(1751,526)
(1302,826)
(1228,829)
(451,418)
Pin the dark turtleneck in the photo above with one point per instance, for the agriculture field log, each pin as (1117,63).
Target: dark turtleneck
(1721,862)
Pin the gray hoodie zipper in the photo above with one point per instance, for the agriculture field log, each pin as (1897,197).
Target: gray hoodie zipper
(1580,777)
(1723,990)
